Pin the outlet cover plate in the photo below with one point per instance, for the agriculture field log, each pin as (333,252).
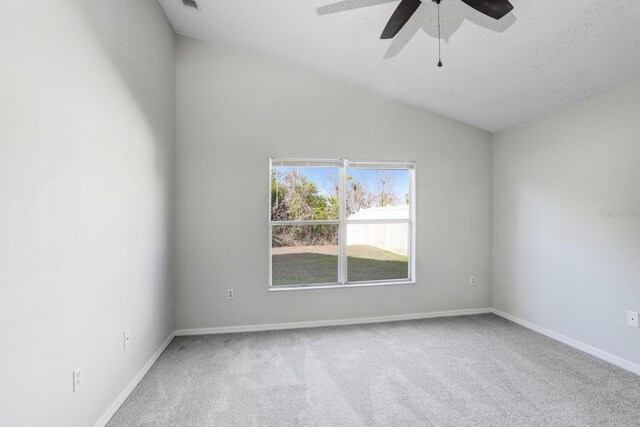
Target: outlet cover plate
(632,319)
(77,378)
(127,338)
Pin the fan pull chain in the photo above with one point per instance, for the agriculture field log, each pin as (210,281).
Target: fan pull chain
(439,39)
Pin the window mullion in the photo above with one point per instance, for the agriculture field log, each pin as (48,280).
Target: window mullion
(378,221)
(412,224)
(342,229)
(307,222)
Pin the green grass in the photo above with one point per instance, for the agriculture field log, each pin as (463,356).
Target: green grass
(368,263)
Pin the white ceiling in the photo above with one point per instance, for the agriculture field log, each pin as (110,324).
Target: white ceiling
(542,56)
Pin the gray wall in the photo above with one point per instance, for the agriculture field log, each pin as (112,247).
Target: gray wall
(557,261)
(235,110)
(87,131)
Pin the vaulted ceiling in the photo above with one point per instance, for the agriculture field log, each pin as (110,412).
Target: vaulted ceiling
(542,56)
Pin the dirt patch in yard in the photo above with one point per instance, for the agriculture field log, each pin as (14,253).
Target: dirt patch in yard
(356,251)
(321,250)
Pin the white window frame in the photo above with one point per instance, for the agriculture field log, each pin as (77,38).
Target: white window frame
(342,221)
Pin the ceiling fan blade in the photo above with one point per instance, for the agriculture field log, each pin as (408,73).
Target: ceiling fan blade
(400,16)
(493,8)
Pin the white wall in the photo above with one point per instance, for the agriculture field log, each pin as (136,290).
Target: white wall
(87,131)
(235,110)
(557,261)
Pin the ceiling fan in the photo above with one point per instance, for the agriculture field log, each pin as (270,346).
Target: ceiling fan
(495,9)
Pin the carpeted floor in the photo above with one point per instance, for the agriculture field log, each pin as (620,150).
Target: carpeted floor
(459,371)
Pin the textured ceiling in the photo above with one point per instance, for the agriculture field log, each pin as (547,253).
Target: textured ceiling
(542,56)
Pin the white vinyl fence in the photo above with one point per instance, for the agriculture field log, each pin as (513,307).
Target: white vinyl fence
(392,237)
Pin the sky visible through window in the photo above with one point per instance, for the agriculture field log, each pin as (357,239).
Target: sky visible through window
(325,179)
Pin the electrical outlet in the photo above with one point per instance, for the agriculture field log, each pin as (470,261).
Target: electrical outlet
(77,378)
(127,339)
(632,319)
(472,280)
(229,293)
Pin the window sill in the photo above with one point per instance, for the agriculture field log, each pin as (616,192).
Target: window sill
(284,288)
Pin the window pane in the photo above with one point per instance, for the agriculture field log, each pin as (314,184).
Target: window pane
(377,193)
(304,193)
(377,252)
(304,254)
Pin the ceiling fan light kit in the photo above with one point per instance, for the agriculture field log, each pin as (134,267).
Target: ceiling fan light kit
(495,9)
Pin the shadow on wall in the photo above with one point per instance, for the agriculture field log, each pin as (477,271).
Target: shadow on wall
(122,55)
(452,14)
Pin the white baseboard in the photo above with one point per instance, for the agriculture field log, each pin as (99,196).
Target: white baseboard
(104,419)
(615,360)
(322,323)
(578,345)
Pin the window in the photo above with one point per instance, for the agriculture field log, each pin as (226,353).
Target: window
(341,223)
